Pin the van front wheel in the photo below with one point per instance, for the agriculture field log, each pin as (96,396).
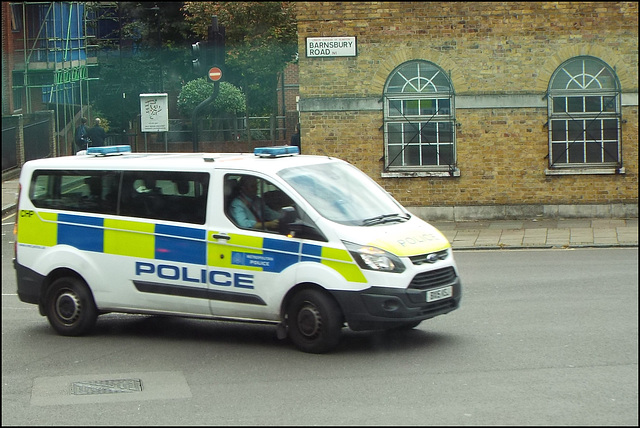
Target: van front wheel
(70,307)
(314,321)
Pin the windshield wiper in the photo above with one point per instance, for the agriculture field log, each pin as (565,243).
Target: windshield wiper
(385,218)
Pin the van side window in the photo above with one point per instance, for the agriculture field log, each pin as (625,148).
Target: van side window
(159,195)
(87,191)
(165,195)
(253,203)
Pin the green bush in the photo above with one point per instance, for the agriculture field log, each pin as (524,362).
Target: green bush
(230,99)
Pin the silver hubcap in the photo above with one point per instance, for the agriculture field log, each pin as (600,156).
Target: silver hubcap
(68,307)
(309,321)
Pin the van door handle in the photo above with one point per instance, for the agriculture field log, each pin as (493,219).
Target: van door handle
(225,237)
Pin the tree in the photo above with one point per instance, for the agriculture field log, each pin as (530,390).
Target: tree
(261,39)
(158,24)
(222,112)
(121,82)
(143,50)
(230,99)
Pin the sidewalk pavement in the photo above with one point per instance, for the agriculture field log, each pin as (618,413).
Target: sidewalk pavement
(497,234)
(540,233)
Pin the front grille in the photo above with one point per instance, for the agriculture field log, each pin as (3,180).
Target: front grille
(429,258)
(434,278)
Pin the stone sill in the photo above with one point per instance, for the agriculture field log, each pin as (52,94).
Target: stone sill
(585,171)
(414,174)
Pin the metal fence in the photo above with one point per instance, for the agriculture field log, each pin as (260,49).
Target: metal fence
(271,128)
(220,134)
(27,137)
(31,136)
(37,140)
(9,144)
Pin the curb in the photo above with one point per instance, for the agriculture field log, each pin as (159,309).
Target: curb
(543,247)
(7,209)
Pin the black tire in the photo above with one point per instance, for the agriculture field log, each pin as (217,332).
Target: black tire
(314,321)
(70,307)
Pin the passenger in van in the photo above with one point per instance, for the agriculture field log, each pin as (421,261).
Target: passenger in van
(247,207)
(149,187)
(95,188)
(94,201)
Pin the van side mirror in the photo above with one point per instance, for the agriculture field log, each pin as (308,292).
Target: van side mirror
(290,224)
(288,214)
(287,217)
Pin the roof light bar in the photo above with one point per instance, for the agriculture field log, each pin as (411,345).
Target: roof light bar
(276,151)
(108,150)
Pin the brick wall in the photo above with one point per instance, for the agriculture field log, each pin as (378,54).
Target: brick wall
(489,49)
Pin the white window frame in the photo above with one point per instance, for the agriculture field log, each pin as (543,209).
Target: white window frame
(419,122)
(584,118)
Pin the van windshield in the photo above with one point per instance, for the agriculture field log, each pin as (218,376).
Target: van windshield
(342,193)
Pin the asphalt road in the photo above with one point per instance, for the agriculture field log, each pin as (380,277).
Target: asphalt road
(543,337)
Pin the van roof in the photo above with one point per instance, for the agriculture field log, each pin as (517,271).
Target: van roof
(177,162)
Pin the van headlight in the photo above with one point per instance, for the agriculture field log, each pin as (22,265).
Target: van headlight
(373,258)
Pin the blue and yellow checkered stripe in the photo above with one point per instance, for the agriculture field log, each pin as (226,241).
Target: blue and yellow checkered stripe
(179,244)
(115,236)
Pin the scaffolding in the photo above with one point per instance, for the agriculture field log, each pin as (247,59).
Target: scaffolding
(55,52)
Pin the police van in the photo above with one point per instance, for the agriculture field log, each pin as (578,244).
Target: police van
(309,244)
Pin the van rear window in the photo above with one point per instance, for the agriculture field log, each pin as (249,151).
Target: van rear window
(160,195)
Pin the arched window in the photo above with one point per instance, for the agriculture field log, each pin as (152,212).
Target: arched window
(419,120)
(584,115)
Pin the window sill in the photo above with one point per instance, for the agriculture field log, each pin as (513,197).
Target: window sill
(586,171)
(415,174)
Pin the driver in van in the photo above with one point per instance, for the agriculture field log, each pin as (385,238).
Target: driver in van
(247,207)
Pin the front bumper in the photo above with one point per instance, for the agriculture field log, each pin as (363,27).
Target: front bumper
(382,308)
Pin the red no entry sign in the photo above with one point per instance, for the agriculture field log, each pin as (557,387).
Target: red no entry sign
(215,74)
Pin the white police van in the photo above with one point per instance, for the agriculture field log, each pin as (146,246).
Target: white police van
(307,243)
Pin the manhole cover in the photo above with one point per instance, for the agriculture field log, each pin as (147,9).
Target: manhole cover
(114,386)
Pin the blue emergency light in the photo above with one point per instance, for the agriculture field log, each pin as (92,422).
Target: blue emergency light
(276,151)
(108,150)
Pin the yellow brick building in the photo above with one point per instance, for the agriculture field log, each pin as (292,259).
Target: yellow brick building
(477,109)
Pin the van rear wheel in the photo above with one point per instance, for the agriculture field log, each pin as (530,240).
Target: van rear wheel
(314,321)
(70,307)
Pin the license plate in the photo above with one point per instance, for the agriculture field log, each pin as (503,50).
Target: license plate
(439,293)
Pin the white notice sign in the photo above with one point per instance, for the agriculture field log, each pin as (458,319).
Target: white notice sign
(154,112)
(330,46)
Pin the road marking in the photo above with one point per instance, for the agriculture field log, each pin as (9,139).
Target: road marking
(8,217)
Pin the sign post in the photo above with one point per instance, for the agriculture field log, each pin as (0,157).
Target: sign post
(154,115)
